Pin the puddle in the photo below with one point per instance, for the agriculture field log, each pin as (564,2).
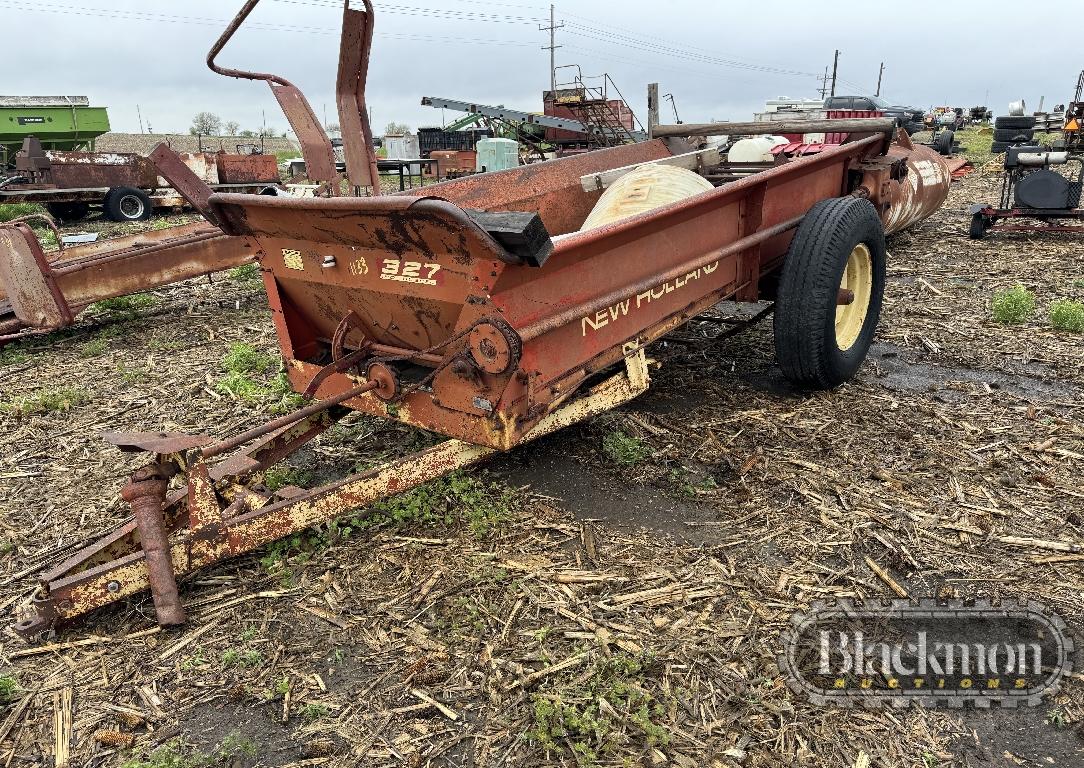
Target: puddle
(897,370)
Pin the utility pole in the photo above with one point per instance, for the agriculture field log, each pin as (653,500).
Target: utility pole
(835,67)
(552,48)
(879,76)
(824,84)
(652,108)
(140,114)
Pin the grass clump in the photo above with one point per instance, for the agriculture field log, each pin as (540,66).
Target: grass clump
(310,713)
(9,211)
(177,754)
(245,659)
(12,355)
(457,497)
(276,478)
(247,372)
(1067,316)
(9,688)
(1013,306)
(624,449)
(126,305)
(593,721)
(46,401)
(454,499)
(246,273)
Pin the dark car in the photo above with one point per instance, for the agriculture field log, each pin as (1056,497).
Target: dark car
(909,117)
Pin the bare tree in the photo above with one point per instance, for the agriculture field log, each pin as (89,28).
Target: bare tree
(395,129)
(333,129)
(231,127)
(206,124)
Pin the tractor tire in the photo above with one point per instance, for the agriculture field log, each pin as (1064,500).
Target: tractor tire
(123,204)
(1011,121)
(998,147)
(978,227)
(839,246)
(942,144)
(70,211)
(1013,135)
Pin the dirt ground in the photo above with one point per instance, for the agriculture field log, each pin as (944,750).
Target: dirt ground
(612,595)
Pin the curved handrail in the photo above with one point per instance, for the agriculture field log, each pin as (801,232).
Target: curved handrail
(225,37)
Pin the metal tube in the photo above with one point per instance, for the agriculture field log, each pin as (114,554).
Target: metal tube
(97,260)
(224,38)
(285,421)
(411,355)
(851,125)
(587,308)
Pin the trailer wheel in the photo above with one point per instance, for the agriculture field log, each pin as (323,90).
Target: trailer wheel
(830,293)
(70,211)
(943,143)
(128,204)
(978,227)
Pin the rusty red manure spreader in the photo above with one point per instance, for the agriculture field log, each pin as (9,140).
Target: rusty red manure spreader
(500,307)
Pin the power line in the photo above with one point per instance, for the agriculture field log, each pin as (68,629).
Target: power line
(601,34)
(202,21)
(592,33)
(417,10)
(607,57)
(630,42)
(681,47)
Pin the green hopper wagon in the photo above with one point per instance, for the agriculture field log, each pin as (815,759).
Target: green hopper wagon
(66,123)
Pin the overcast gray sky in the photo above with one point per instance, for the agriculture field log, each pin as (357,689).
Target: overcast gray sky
(720,60)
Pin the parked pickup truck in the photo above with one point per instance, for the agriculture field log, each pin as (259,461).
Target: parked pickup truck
(909,117)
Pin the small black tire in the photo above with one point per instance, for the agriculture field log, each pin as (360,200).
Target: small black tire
(1014,121)
(74,210)
(999,147)
(943,143)
(835,236)
(1014,135)
(978,227)
(126,204)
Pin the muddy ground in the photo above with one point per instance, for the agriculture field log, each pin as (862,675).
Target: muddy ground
(614,594)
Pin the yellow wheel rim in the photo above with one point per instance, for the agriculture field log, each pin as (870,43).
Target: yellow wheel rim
(858,280)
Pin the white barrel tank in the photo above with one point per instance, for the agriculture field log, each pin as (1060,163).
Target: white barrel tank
(755,150)
(644,189)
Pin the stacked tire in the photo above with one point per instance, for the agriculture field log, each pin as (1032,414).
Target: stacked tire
(1010,130)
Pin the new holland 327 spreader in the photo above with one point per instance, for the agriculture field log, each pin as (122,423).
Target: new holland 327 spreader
(497,308)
